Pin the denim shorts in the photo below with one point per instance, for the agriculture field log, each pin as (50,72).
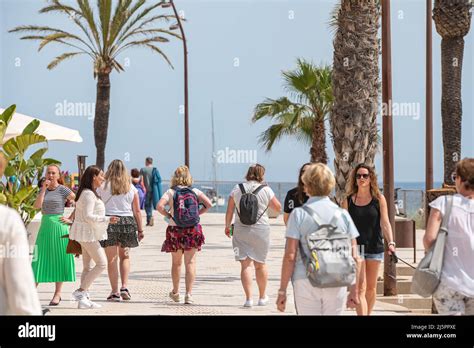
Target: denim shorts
(373,257)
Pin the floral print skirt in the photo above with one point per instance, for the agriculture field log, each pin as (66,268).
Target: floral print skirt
(184,239)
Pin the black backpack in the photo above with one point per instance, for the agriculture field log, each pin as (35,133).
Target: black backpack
(248,207)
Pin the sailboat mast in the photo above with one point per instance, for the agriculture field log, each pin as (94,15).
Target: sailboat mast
(214,155)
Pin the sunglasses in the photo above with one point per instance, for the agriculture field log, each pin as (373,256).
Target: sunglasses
(362,176)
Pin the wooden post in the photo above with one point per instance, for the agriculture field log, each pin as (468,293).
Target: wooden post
(390,271)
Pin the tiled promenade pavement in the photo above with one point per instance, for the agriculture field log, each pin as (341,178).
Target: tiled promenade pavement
(217,289)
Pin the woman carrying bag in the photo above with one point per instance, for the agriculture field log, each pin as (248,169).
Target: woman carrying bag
(455,292)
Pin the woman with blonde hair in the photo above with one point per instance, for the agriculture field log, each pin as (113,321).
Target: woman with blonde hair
(318,183)
(251,237)
(184,236)
(368,209)
(121,200)
(52,264)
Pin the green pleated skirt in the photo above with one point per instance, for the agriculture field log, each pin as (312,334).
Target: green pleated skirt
(50,263)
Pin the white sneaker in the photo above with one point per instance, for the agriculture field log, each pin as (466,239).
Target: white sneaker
(174,297)
(78,295)
(263,301)
(188,299)
(85,303)
(248,304)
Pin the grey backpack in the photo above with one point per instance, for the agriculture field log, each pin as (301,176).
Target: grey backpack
(328,255)
(428,273)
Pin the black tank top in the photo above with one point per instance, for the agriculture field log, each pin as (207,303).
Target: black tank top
(367,220)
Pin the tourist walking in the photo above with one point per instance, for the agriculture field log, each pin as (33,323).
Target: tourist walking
(319,211)
(52,264)
(151,178)
(121,200)
(18,295)
(251,230)
(88,228)
(296,197)
(184,235)
(368,209)
(140,186)
(455,293)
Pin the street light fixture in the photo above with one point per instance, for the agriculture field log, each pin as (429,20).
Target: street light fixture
(179,26)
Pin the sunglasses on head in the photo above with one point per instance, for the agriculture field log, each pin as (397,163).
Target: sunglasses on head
(360,176)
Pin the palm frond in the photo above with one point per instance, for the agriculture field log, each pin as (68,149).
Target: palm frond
(62,58)
(105,13)
(141,42)
(57,6)
(271,108)
(160,52)
(271,135)
(139,17)
(333,17)
(119,19)
(88,15)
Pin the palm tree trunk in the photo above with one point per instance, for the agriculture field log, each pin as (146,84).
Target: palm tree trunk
(318,146)
(101,121)
(356,86)
(452,51)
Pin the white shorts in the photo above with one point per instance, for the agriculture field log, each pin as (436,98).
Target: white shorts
(310,300)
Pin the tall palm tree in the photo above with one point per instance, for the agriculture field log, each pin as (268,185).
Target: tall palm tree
(356,86)
(453,21)
(103,35)
(303,113)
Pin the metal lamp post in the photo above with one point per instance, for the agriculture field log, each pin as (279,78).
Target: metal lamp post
(186,94)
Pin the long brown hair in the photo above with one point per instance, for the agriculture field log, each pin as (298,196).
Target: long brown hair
(351,186)
(87,180)
(300,188)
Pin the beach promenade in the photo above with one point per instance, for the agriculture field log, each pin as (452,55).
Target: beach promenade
(217,289)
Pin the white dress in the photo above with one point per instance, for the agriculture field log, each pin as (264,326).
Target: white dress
(252,241)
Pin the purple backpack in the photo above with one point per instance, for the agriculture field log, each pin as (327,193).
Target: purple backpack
(185,207)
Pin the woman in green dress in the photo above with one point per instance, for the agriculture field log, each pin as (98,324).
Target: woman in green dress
(51,264)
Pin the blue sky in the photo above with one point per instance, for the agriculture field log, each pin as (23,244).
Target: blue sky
(237,50)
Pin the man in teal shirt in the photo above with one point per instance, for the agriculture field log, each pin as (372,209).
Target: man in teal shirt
(151,178)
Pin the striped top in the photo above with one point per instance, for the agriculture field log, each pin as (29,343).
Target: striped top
(55,200)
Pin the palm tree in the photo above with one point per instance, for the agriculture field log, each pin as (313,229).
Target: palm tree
(103,36)
(303,113)
(356,86)
(453,21)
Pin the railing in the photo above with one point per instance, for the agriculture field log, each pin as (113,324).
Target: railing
(410,202)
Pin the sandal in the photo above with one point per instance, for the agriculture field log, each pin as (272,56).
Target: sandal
(113,298)
(125,294)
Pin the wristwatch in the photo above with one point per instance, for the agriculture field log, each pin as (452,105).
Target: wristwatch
(282,292)
(392,243)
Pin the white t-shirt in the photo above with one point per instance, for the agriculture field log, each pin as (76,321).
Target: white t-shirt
(264,196)
(458,263)
(168,197)
(118,205)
